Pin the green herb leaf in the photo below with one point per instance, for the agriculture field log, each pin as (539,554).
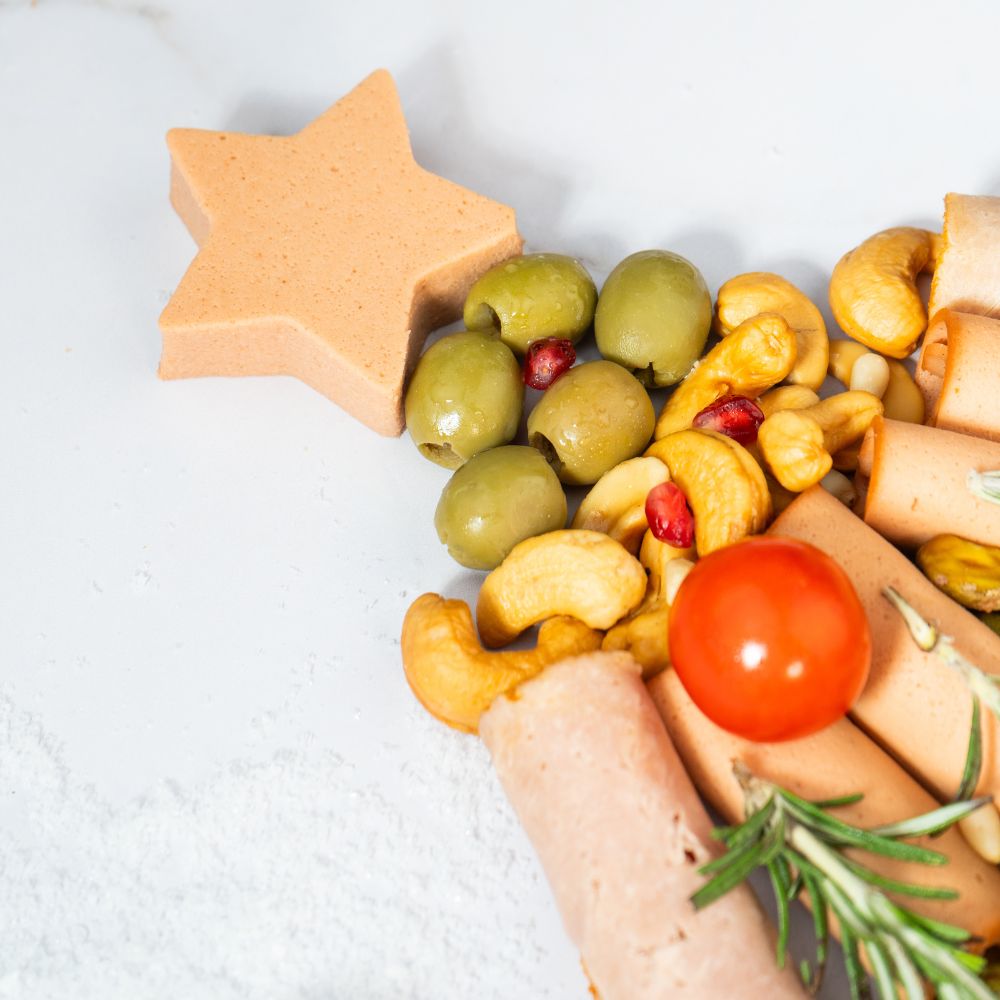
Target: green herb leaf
(779,883)
(841,834)
(735,836)
(878,959)
(906,970)
(973,756)
(984,485)
(803,848)
(856,977)
(932,822)
(893,885)
(732,869)
(821,928)
(939,929)
(843,800)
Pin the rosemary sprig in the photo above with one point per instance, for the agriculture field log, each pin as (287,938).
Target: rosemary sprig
(985,485)
(801,845)
(973,757)
(984,686)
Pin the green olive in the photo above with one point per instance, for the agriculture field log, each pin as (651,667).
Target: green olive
(531,297)
(592,418)
(465,396)
(496,500)
(653,316)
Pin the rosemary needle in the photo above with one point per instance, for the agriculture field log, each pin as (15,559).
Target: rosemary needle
(984,686)
(801,845)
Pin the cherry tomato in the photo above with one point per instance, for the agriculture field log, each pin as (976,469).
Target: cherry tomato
(769,639)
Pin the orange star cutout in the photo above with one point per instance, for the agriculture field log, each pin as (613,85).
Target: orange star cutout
(328,255)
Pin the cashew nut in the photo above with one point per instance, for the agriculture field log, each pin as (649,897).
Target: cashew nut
(787,397)
(756,355)
(784,397)
(584,574)
(454,678)
(902,399)
(616,504)
(723,483)
(798,444)
(644,632)
(748,295)
(674,575)
(873,290)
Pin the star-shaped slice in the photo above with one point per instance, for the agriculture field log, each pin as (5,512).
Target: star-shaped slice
(328,255)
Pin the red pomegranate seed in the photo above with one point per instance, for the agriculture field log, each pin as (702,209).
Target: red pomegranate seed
(546,360)
(737,417)
(669,517)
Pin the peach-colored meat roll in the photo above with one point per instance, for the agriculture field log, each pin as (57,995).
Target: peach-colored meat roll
(918,483)
(583,756)
(839,760)
(915,705)
(967,276)
(959,374)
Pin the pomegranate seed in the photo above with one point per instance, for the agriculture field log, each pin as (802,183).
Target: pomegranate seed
(546,360)
(737,417)
(669,517)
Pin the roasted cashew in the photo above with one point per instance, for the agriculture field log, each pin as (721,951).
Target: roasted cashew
(756,355)
(787,397)
(902,399)
(780,497)
(454,678)
(798,445)
(584,574)
(748,295)
(616,504)
(783,397)
(644,632)
(873,290)
(723,483)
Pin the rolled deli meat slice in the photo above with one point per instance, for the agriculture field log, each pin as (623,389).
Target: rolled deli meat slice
(967,276)
(959,374)
(839,760)
(918,483)
(914,705)
(583,757)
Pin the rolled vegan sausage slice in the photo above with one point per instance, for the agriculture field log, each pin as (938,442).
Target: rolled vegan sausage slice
(967,276)
(916,706)
(838,760)
(583,757)
(957,373)
(917,483)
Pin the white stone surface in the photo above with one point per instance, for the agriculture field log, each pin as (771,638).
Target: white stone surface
(213,779)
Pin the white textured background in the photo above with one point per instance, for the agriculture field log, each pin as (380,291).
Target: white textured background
(213,780)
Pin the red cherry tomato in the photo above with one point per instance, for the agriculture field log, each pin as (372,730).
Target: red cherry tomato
(769,639)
